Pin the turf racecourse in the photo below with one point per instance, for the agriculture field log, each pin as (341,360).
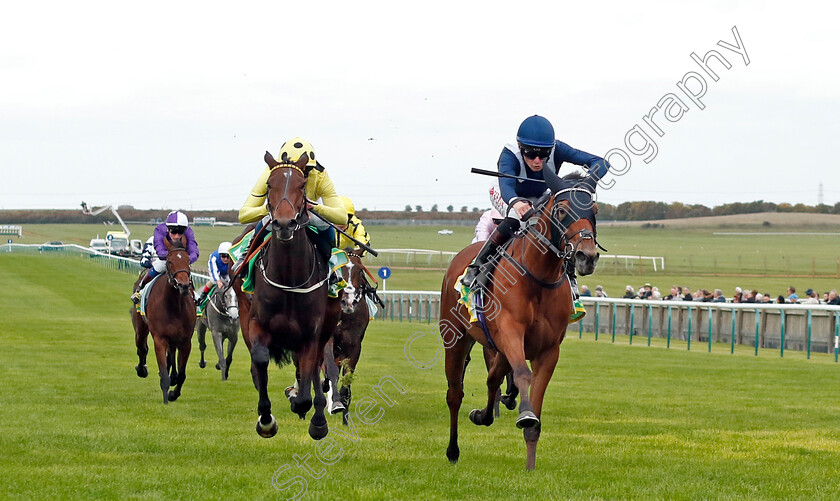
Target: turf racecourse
(620,422)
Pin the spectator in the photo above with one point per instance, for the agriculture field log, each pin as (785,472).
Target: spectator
(792,297)
(584,291)
(833,298)
(749,297)
(718,297)
(629,293)
(811,297)
(780,300)
(599,291)
(759,297)
(738,297)
(671,294)
(687,294)
(646,292)
(656,295)
(706,296)
(767,298)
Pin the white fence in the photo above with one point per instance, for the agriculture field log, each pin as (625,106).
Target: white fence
(10,229)
(118,263)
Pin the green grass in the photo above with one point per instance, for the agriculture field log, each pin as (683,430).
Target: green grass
(620,421)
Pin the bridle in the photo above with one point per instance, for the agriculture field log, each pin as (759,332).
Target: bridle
(302,215)
(171,275)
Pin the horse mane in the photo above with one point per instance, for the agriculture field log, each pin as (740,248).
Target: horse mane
(574,176)
(178,244)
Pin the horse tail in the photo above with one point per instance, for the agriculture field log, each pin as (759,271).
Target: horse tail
(281,356)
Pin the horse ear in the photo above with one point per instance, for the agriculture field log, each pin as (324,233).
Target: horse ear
(302,161)
(552,180)
(167,244)
(269,159)
(590,182)
(595,208)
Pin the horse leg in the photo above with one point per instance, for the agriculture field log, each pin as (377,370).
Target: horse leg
(202,329)
(543,369)
(310,378)
(511,392)
(220,350)
(266,424)
(331,373)
(173,369)
(161,350)
(231,345)
(499,367)
(455,362)
(488,362)
(514,350)
(183,356)
(141,334)
(349,367)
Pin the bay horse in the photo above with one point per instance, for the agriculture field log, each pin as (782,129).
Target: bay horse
(170,318)
(288,317)
(344,349)
(221,317)
(527,307)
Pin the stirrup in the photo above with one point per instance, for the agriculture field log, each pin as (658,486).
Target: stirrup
(578,311)
(135,298)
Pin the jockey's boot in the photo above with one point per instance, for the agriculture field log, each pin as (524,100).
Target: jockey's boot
(323,241)
(202,297)
(135,297)
(578,311)
(479,273)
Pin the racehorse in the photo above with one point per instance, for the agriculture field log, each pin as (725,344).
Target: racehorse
(221,316)
(347,339)
(527,307)
(170,317)
(288,316)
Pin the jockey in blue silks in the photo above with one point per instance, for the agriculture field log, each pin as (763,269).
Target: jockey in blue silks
(535,148)
(175,228)
(218,266)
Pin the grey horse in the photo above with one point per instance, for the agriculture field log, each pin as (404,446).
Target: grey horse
(221,316)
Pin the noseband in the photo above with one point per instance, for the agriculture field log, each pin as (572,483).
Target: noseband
(172,274)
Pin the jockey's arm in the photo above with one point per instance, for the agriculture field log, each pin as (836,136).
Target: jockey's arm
(254,207)
(192,245)
(595,165)
(321,186)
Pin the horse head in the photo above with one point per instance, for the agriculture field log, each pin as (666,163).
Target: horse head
(231,304)
(178,266)
(286,196)
(354,291)
(573,218)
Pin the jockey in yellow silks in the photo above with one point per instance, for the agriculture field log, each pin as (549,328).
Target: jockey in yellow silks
(319,190)
(352,226)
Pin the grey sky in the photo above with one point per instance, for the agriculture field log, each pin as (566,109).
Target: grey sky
(172,104)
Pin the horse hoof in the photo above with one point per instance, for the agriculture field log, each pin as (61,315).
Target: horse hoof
(477,417)
(267,430)
(318,432)
(142,370)
(202,364)
(527,419)
(173,396)
(337,407)
(452,453)
(509,402)
(218,367)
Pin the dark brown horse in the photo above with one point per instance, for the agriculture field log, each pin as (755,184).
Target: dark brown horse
(288,316)
(170,317)
(527,307)
(346,344)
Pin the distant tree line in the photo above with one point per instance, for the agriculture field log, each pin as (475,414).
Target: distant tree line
(627,211)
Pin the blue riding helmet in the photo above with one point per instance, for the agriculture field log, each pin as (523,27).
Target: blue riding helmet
(536,131)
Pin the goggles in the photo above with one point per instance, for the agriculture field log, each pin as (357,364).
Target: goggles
(224,256)
(534,152)
(177,230)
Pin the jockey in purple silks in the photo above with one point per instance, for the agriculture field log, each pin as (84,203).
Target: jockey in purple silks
(176,228)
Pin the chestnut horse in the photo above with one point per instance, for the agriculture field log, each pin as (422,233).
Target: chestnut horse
(346,345)
(527,307)
(288,316)
(170,317)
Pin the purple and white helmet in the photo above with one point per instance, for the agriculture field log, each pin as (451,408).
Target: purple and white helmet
(177,218)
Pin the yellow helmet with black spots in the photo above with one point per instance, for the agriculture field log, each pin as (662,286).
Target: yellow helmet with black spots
(292,149)
(348,205)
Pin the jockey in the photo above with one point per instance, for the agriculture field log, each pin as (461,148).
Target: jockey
(536,147)
(176,228)
(218,266)
(486,224)
(318,186)
(353,227)
(148,253)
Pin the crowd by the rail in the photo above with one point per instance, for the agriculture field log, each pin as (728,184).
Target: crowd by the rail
(740,295)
